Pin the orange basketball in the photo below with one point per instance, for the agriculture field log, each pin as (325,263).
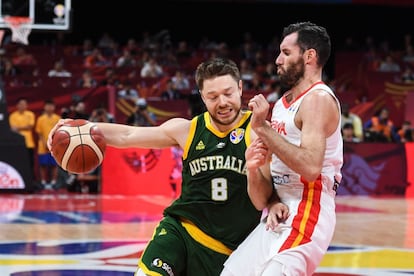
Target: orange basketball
(78,146)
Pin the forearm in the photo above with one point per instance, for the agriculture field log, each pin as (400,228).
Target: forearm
(124,136)
(304,161)
(116,135)
(259,188)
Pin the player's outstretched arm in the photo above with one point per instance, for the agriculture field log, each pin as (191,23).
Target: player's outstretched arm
(171,133)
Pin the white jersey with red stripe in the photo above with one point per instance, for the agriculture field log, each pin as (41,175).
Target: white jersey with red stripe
(299,243)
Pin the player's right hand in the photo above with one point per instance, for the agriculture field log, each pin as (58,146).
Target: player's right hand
(53,130)
(260,108)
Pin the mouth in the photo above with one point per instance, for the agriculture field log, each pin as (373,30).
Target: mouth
(224,112)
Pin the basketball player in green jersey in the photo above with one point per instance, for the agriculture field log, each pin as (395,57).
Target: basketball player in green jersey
(213,214)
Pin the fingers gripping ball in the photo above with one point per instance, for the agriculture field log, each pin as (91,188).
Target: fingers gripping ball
(78,146)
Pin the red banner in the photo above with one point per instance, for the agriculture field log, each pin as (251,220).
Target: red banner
(140,171)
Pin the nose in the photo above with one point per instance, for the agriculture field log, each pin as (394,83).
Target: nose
(278,60)
(222,100)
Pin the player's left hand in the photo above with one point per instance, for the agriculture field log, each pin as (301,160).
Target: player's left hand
(278,212)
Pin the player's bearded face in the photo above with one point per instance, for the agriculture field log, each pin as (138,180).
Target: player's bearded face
(292,73)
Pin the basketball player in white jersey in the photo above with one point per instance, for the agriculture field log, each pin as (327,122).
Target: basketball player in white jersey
(305,143)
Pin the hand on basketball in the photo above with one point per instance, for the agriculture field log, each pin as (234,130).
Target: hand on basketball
(278,212)
(260,108)
(50,136)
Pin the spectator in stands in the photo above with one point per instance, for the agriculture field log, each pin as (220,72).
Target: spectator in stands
(269,73)
(80,111)
(128,92)
(388,64)
(407,75)
(408,55)
(180,81)
(132,46)
(349,117)
(406,132)
(87,80)
(101,114)
(111,78)
(170,92)
(380,128)
(22,57)
(105,42)
(126,59)
(23,121)
(96,59)
(348,133)
(183,50)
(246,70)
(59,70)
(142,116)
(152,69)
(48,167)
(85,49)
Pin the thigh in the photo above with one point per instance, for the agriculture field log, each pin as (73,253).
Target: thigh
(203,260)
(274,268)
(166,251)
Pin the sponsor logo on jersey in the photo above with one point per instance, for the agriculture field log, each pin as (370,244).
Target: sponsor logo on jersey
(157,262)
(237,135)
(200,146)
(277,179)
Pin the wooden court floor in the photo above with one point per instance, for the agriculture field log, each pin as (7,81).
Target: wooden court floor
(61,234)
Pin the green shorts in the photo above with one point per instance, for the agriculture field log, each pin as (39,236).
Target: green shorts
(172,251)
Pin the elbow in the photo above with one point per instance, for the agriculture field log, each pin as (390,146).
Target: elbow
(312,173)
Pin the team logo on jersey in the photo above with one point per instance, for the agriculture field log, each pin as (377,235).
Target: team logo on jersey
(237,135)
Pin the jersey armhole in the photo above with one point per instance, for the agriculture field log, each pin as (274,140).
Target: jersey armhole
(190,137)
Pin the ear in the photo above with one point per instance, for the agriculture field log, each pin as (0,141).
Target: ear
(310,54)
(241,87)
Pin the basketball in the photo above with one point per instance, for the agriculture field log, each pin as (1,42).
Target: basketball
(78,146)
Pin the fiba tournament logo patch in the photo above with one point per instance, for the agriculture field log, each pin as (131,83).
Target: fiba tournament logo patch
(237,135)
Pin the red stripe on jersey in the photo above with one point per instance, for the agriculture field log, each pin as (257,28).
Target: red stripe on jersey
(307,216)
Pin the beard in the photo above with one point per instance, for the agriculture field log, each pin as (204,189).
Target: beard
(293,73)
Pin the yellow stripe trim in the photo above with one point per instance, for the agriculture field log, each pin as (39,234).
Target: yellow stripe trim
(146,270)
(304,221)
(205,239)
(209,125)
(190,137)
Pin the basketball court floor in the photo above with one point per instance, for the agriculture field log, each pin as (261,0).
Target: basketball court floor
(56,234)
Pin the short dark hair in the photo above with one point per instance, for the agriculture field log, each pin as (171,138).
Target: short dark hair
(311,36)
(214,68)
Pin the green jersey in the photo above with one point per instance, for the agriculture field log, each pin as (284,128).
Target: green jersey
(214,184)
